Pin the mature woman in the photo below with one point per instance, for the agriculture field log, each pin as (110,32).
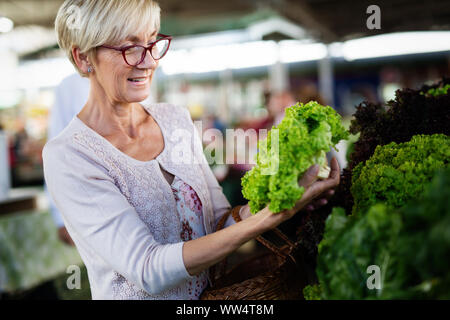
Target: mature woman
(137,197)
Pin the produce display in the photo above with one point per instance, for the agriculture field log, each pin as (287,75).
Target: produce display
(424,111)
(437,91)
(411,113)
(397,173)
(411,245)
(392,209)
(390,213)
(302,139)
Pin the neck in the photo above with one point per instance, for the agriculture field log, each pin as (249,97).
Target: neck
(109,117)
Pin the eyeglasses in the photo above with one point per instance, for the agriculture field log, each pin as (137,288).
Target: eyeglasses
(135,54)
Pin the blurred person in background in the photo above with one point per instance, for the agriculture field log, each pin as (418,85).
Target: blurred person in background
(307,92)
(19,143)
(142,218)
(4,164)
(277,104)
(70,96)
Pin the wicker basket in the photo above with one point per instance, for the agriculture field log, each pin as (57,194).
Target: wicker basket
(278,274)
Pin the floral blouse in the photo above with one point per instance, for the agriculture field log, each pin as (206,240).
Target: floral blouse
(189,209)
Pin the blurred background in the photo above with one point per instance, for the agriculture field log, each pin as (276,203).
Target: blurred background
(233,64)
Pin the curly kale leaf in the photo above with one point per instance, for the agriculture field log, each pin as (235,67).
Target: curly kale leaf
(410,245)
(352,244)
(413,112)
(397,173)
(301,140)
(437,91)
(410,114)
(312,292)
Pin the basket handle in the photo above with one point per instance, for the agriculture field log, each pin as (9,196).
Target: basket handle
(268,244)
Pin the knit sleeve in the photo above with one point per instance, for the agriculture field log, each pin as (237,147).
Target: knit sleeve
(99,217)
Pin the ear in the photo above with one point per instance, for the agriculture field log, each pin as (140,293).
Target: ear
(81,60)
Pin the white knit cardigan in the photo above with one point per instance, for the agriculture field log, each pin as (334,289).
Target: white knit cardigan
(121,212)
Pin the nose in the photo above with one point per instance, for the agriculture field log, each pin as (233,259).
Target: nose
(148,62)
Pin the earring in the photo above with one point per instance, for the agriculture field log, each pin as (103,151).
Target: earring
(89,70)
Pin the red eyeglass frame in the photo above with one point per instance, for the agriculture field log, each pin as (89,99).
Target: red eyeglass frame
(123,49)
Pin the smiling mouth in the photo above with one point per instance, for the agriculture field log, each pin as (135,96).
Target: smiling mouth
(138,80)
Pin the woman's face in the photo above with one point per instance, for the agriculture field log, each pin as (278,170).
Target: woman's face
(121,82)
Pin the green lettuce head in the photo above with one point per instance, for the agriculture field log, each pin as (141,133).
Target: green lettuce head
(301,140)
(397,173)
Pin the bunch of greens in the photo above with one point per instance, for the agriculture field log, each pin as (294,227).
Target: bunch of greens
(301,140)
(438,91)
(410,245)
(397,173)
(312,292)
(410,114)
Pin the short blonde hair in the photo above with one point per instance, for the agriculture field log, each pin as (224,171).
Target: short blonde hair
(88,24)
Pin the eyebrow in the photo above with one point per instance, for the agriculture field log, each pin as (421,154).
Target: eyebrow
(136,39)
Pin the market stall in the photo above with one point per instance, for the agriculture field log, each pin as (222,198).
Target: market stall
(242,54)
(30,251)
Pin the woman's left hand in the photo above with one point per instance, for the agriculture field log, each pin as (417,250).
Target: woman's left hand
(322,201)
(319,201)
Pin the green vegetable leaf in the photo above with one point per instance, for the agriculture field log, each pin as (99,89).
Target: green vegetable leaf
(410,245)
(301,140)
(397,173)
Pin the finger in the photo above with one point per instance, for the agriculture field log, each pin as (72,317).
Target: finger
(334,177)
(328,194)
(320,203)
(321,188)
(316,204)
(335,172)
(309,177)
(332,181)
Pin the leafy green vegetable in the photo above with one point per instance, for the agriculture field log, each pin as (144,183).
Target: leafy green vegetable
(376,124)
(438,91)
(410,114)
(312,292)
(352,244)
(397,173)
(411,246)
(301,140)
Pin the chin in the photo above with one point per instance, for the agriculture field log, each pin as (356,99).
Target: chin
(138,98)
(138,95)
